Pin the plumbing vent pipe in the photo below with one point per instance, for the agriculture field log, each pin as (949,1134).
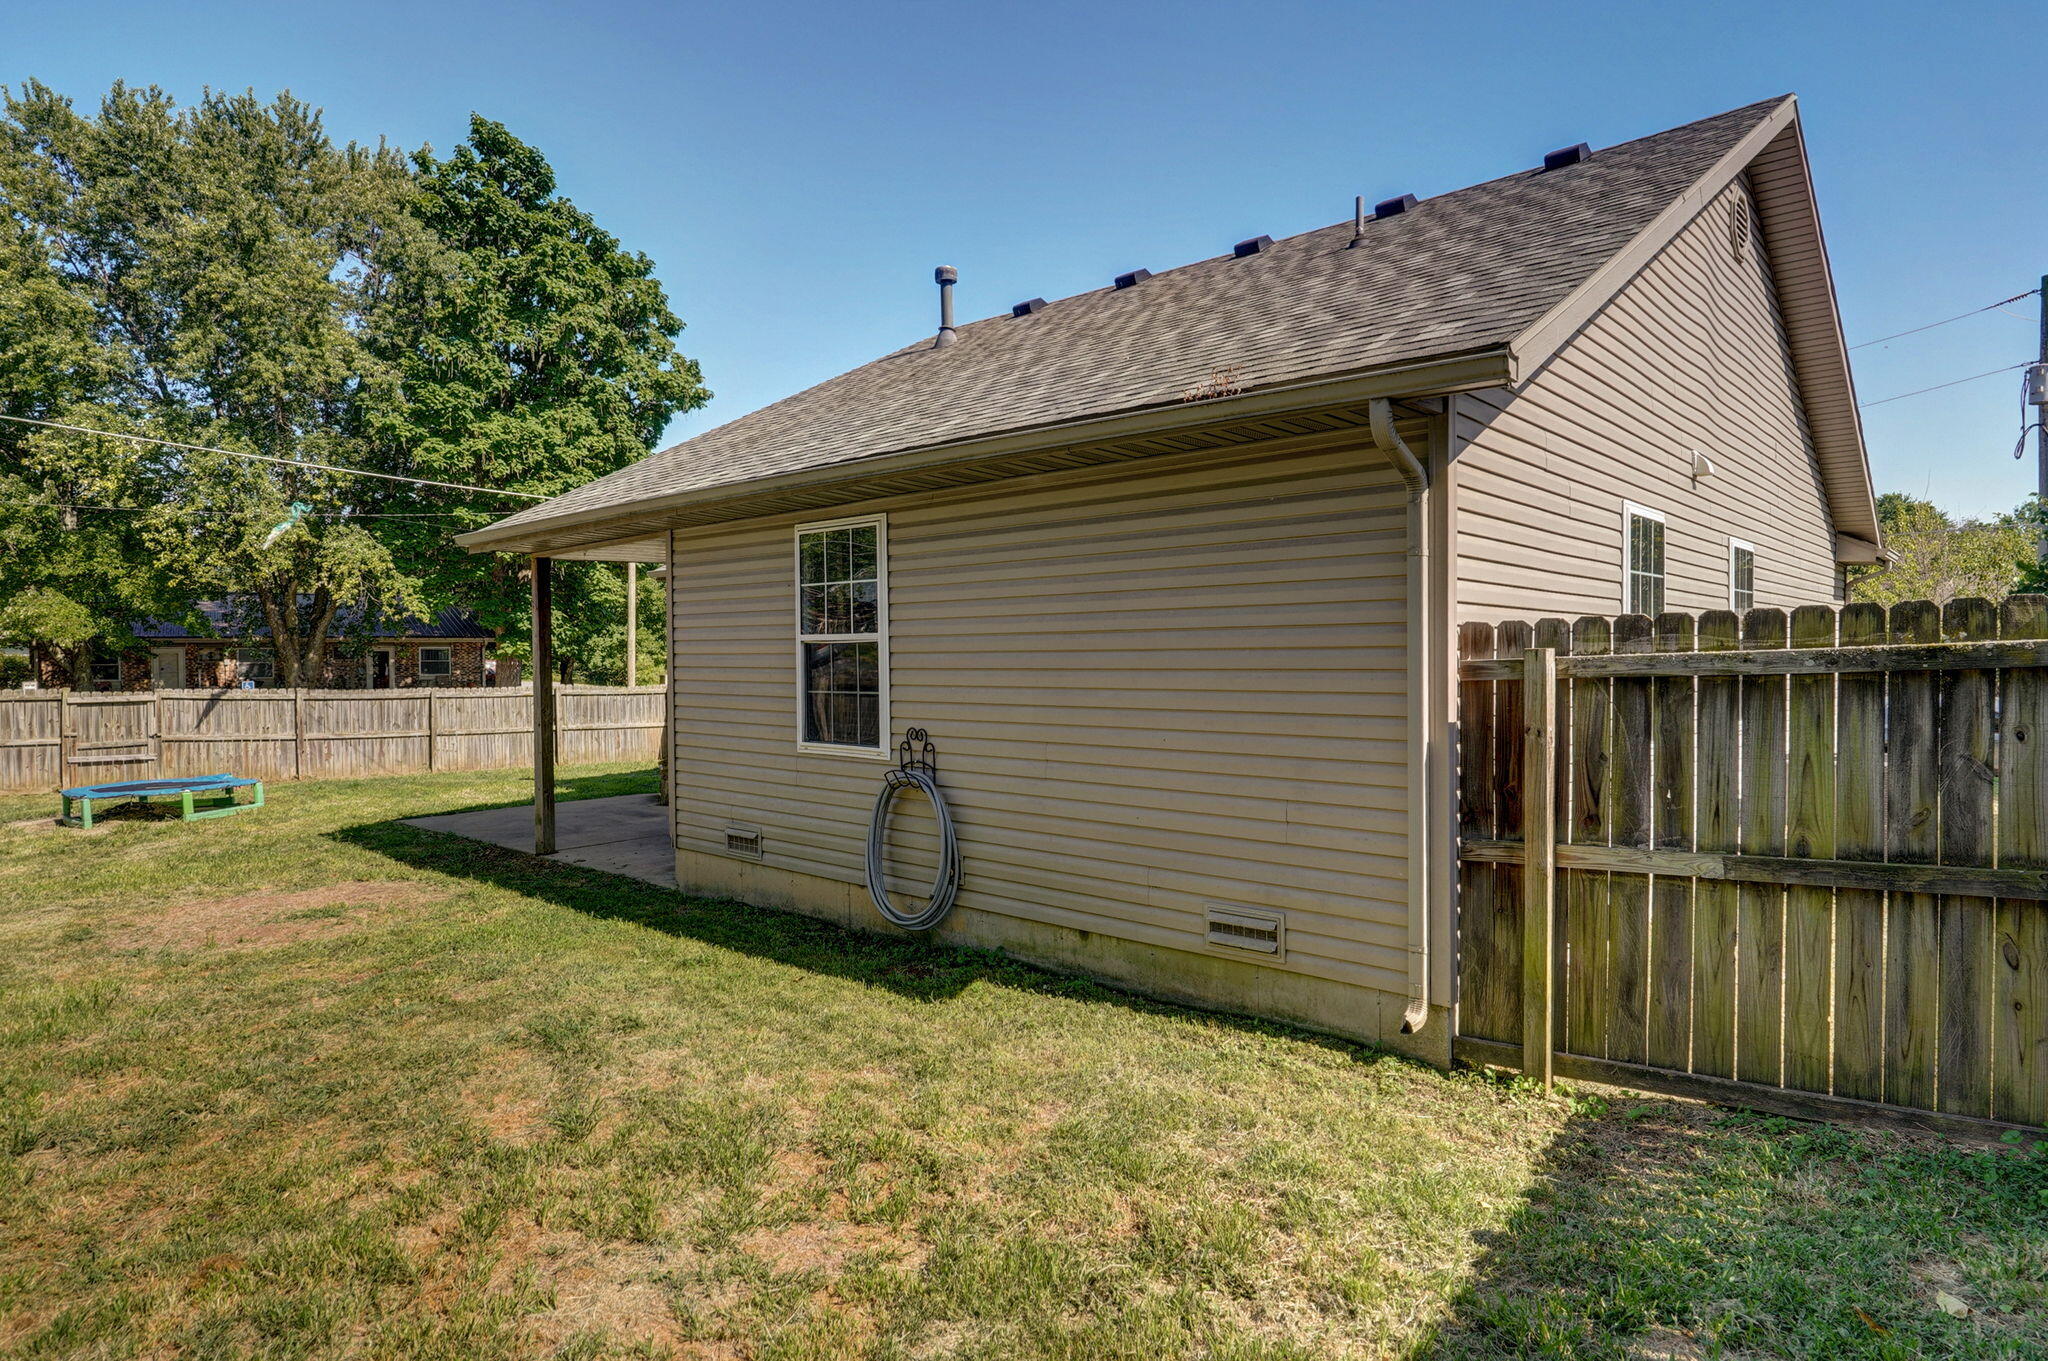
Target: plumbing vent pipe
(946,276)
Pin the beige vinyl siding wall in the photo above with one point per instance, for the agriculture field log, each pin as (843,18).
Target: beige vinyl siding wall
(1152,687)
(1690,355)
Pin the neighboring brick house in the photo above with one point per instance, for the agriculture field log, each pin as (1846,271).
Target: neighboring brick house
(448,649)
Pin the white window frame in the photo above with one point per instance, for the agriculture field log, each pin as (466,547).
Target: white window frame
(420,663)
(1630,511)
(880,637)
(1734,546)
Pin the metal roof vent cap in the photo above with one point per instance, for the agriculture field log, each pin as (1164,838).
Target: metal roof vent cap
(1251,247)
(1027,307)
(1393,207)
(946,276)
(1136,276)
(1564,156)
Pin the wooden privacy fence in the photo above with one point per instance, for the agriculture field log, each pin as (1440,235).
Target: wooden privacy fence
(60,738)
(1797,862)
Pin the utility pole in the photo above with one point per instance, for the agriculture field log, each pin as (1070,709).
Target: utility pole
(2037,393)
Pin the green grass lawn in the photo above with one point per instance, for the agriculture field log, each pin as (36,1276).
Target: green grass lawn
(304,1082)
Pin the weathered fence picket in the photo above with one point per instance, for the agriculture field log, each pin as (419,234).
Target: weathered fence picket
(1799,860)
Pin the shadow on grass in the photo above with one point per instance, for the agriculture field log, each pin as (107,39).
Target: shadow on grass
(1661,1229)
(915,967)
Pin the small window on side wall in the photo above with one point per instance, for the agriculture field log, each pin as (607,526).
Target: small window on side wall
(437,663)
(1642,564)
(842,636)
(1741,575)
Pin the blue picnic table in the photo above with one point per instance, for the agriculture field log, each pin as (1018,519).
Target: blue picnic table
(186,789)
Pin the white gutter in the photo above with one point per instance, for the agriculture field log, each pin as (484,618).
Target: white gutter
(1419,705)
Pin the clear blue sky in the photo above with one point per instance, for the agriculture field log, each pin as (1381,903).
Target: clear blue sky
(795,171)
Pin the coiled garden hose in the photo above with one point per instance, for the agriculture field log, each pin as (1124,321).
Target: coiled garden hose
(914,773)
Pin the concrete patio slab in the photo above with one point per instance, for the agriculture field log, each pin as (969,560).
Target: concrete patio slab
(627,834)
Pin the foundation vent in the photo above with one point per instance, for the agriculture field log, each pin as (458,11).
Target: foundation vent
(1244,928)
(744,841)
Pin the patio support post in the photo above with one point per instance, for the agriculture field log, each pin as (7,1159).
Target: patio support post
(543,706)
(632,624)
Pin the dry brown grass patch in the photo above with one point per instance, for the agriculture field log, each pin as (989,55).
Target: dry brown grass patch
(508,1099)
(825,1247)
(255,920)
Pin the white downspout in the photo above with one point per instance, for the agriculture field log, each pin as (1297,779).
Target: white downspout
(1419,705)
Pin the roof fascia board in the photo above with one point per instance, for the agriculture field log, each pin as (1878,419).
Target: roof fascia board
(1821,361)
(1483,369)
(1549,332)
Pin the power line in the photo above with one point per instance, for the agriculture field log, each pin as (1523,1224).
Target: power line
(1989,373)
(1960,316)
(267,458)
(314,515)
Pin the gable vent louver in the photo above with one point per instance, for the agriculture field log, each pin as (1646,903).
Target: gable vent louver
(1248,929)
(744,841)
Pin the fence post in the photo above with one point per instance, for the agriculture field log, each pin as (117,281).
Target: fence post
(298,732)
(67,737)
(1539,860)
(432,732)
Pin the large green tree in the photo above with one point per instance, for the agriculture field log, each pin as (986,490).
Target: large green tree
(228,257)
(530,351)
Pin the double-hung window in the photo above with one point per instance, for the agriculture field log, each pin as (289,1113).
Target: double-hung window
(437,663)
(1643,567)
(1741,575)
(842,635)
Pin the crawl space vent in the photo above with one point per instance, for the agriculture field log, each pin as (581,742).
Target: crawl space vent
(743,841)
(1240,928)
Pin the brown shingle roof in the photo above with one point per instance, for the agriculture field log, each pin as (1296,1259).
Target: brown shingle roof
(1462,272)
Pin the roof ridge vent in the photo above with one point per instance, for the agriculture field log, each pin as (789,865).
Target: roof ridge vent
(1136,276)
(1564,156)
(1027,307)
(1251,247)
(1393,207)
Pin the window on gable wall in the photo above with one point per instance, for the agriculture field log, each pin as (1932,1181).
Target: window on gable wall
(1643,565)
(1741,575)
(842,634)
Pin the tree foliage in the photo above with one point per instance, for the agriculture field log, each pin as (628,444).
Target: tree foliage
(1941,558)
(224,274)
(531,352)
(224,254)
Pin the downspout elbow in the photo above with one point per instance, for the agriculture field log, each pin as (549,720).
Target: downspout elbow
(1381,414)
(1416,1014)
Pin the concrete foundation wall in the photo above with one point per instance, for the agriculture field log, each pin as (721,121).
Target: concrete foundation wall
(1206,981)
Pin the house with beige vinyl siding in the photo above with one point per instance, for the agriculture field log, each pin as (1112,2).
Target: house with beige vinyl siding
(1170,571)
